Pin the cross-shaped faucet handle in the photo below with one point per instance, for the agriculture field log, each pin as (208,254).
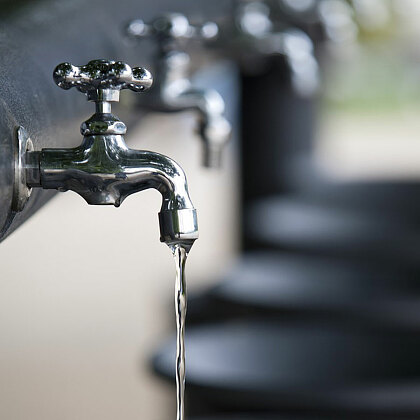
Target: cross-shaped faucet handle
(172,27)
(102,80)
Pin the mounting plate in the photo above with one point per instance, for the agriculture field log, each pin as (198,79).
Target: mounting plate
(21,192)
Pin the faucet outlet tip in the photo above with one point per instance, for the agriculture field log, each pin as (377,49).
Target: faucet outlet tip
(178,226)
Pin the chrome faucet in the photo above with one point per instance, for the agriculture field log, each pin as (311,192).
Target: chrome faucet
(174,91)
(103,170)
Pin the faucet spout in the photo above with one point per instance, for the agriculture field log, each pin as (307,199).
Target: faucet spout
(104,171)
(215,130)
(174,92)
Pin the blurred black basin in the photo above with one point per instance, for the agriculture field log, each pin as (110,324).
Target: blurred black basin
(272,284)
(267,366)
(312,225)
(263,416)
(270,416)
(391,200)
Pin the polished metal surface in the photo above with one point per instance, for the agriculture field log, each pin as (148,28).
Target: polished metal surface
(102,80)
(21,191)
(103,170)
(173,91)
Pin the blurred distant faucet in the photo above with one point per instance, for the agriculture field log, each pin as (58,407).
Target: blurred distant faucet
(173,91)
(103,170)
(253,37)
(335,17)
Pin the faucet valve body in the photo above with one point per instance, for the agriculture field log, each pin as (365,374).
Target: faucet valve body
(103,170)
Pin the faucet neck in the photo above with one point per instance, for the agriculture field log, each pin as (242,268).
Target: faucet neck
(103,107)
(103,122)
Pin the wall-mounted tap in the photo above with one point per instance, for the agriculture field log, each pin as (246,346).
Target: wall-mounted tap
(253,37)
(103,170)
(173,91)
(336,18)
(268,39)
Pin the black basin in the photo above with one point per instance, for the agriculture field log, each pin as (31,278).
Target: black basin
(269,284)
(264,416)
(271,416)
(318,227)
(393,200)
(291,367)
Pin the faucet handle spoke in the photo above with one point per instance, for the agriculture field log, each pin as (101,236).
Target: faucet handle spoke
(102,80)
(172,27)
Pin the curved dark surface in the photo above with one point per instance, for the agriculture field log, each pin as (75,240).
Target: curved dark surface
(276,135)
(390,199)
(314,225)
(271,416)
(262,416)
(270,284)
(267,366)
(34,38)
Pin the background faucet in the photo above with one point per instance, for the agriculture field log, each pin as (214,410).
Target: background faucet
(331,20)
(103,170)
(173,91)
(252,37)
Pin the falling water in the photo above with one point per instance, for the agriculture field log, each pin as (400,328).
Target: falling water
(180,253)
